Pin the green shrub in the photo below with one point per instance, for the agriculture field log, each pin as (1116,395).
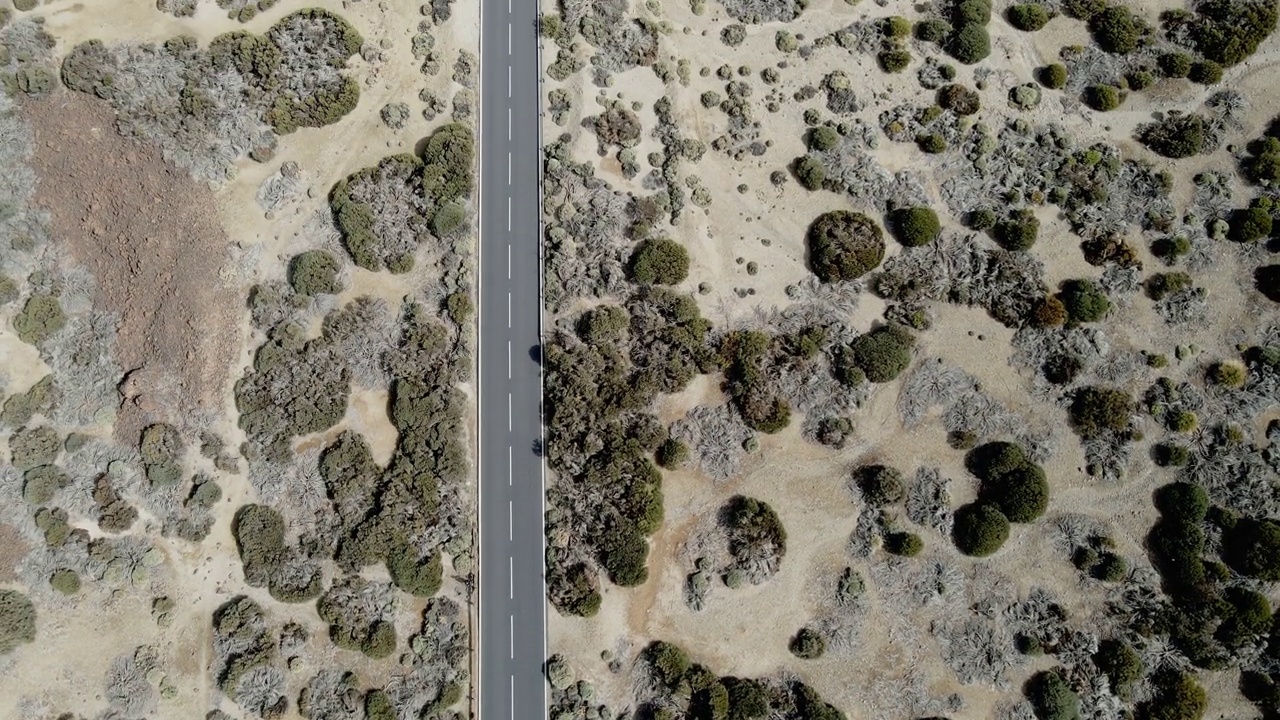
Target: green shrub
(1170,455)
(1182,502)
(896,27)
(1263,163)
(65,581)
(417,576)
(810,171)
(1205,72)
(1248,616)
(970,44)
(915,226)
(1084,301)
(979,529)
(1174,64)
(1110,568)
(1027,17)
(1161,285)
(161,449)
(933,31)
(1098,410)
(1021,494)
(667,662)
(1117,30)
(1177,696)
(1051,696)
(30,447)
(1228,31)
(823,137)
(1177,136)
(881,354)
(314,272)
(659,261)
(932,143)
(1181,421)
(903,544)
(971,12)
(959,99)
(1139,79)
(377,706)
(1103,98)
(1018,232)
(1228,374)
(1251,224)
(1083,9)
(41,316)
(17,620)
(1054,76)
(894,60)
(1121,664)
(982,219)
(1252,548)
(672,454)
(880,485)
(807,644)
(844,245)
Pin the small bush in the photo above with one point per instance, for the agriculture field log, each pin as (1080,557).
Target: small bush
(672,454)
(932,143)
(1022,494)
(903,544)
(1083,9)
(1174,64)
(1182,502)
(881,354)
(1053,76)
(1098,410)
(1121,664)
(1170,455)
(894,60)
(667,662)
(1117,30)
(844,245)
(880,485)
(40,318)
(980,529)
(1018,232)
(1266,280)
(915,226)
(1048,312)
(1227,374)
(1250,224)
(933,31)
(1177,136)
(65,581)
(30,447)
(970,44)
(314,272)
(40,484)
(896,27)
(1052,697)
(1139,79)
(1027,17)
(1161,285)
(810,171)
(1084,301)
(1103,98)
(971,12)
(17,620)
(660,261)
(807,644)
(1205,72)
(1110,568)
(959,99)
(823,137)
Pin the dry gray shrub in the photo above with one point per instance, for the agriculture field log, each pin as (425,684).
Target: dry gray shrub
(716,437)
(363,332)
(81,356)
(762,11)
(128,690)
(585,249)
(978,413)
(280,187)
(977,649)
(261,688)
(1214,197)
(928,502)
(867,532)
(871,187)
(177,8)
(331,695)
(930,384)
(1189,305)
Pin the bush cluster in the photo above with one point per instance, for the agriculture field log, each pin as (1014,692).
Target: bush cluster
(1176,696)
(1226,31)
(1019,231)
(1099,410)
(41,316)
(1118,30)
(1252,548)
(264,555)
(756,533)
(1084,300)
(844,245)
(353,624)
(915,226)
(1262,164)
(659,261)
(1121,664)
(293,389)
(970,42)
(879,355)
(1177,136)
(161,449)
(959,99)
(1011,482)
(743,355)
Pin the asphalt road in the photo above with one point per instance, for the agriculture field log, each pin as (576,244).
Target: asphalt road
(512,633)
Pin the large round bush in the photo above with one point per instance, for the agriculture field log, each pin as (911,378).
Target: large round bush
(980,529)
(844,245)
(1022,494)
(915,226)
(660,261)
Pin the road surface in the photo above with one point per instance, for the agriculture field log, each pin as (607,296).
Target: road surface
(512,620)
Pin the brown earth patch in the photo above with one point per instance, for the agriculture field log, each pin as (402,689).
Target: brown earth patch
(12,551)
(150,236)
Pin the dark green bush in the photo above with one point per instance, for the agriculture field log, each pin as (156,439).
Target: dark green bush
(880,485)
(915,226)
(667,662)
(1053,76)
(1250,224)
(1099,410)
(314,272)
(810,171)
(894,60)
(971,12)
(259,534)
(1248,616)
(1177,136)
(1103,98)
(1018,232)
(1252,548)
(31,447)
(65,581)
(904,544)
(844,245)
(1139,79)
(659,261)
(933,31)
(1170,455)
(17,620)
(377,706)
(41,316)
(823,137)
(980,529)
(992,460)
(1083,9)
(1022,494)
(1110,568)
(672,454)
(1051,696)
(1121,664)
(1205,72)
(1084,301)
(881,354)
(1174,64)
(970,43)
(1177,696)
(1027,17)
(807,644)
(1263,163)
(1161,285)
(932,143)
(1267,281)
(1229,31)
(1117,30)
(413,574)
(754,529)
